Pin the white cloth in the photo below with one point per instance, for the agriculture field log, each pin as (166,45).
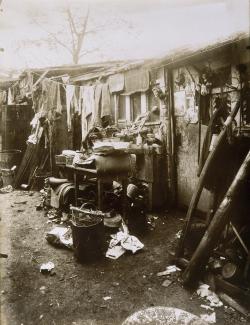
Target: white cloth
(58,99)
(89,100)
(70,90)
(88,107)
(10,97)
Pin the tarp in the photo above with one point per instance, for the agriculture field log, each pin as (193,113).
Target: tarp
(136,80)
(106,104)
(116,82)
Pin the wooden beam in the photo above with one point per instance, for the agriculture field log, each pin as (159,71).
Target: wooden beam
(213,233)
(40,79)
(197,193)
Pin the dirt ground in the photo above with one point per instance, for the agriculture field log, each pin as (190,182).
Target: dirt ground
(74,295)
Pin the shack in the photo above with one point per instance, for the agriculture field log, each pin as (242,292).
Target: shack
(76,98)
(119,139)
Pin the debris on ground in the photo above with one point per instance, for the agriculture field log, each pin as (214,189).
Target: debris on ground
(169,269)
(115,252)
(207,307)
(107,298)
(20,202)
(210,318)
(234,305)
(178,234)
(47,268)
(204,292)
(166,283)
(151,221)
(43,290)
(54,215)
(6,189)
(60,236)
(122,242)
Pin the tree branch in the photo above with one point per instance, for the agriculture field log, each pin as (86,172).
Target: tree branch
(57,40)
(71,21)
(72,28)
(87,52)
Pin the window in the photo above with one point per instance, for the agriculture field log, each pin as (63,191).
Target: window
(135,105)
(121,107)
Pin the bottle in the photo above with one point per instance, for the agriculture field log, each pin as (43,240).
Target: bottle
(139,140)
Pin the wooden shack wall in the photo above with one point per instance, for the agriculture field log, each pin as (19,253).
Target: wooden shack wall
(187,133)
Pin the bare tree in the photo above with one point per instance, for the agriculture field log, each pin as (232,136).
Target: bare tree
(72,28)
(78,34)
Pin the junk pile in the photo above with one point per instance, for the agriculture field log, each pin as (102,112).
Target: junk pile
(86,229)
(9,161)
(217,250)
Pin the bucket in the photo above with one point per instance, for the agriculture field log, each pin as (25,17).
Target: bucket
(88,236)
(10,158)
(7,177)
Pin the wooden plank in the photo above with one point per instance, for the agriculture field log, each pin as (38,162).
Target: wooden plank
(234,304)
(219,221)
(196,195)
(40,79)
(231,289)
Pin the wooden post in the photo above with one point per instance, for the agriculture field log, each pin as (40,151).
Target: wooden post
(213,233)
(200,185)
(171,141)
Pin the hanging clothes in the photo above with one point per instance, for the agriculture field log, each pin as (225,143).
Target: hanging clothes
(97,110)
(80,99)
(106,104)
(58,99)
(89,100)
(70,90)
(44,106)
(3,97)
(88,108)
(52,92)
(76,99)
(10,97)
(116,82)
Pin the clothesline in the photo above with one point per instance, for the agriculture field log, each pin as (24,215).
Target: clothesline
(61,83)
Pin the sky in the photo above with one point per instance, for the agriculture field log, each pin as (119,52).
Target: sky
(127,29)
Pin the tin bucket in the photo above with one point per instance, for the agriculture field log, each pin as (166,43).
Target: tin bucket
(88,235)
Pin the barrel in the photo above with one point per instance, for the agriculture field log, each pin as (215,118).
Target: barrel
(9,158)
(88,240)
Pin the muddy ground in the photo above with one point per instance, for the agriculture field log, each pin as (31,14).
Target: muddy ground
(74,295)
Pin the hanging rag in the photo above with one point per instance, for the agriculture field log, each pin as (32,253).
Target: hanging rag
(70,89)
(88,108)
(116,82)
(97,110)
(3,97)
(10,97)
(80,99)
(106,104)
(136,80)
(75,100)
(45,95)
(89,100)
(52,92)
(58,98)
